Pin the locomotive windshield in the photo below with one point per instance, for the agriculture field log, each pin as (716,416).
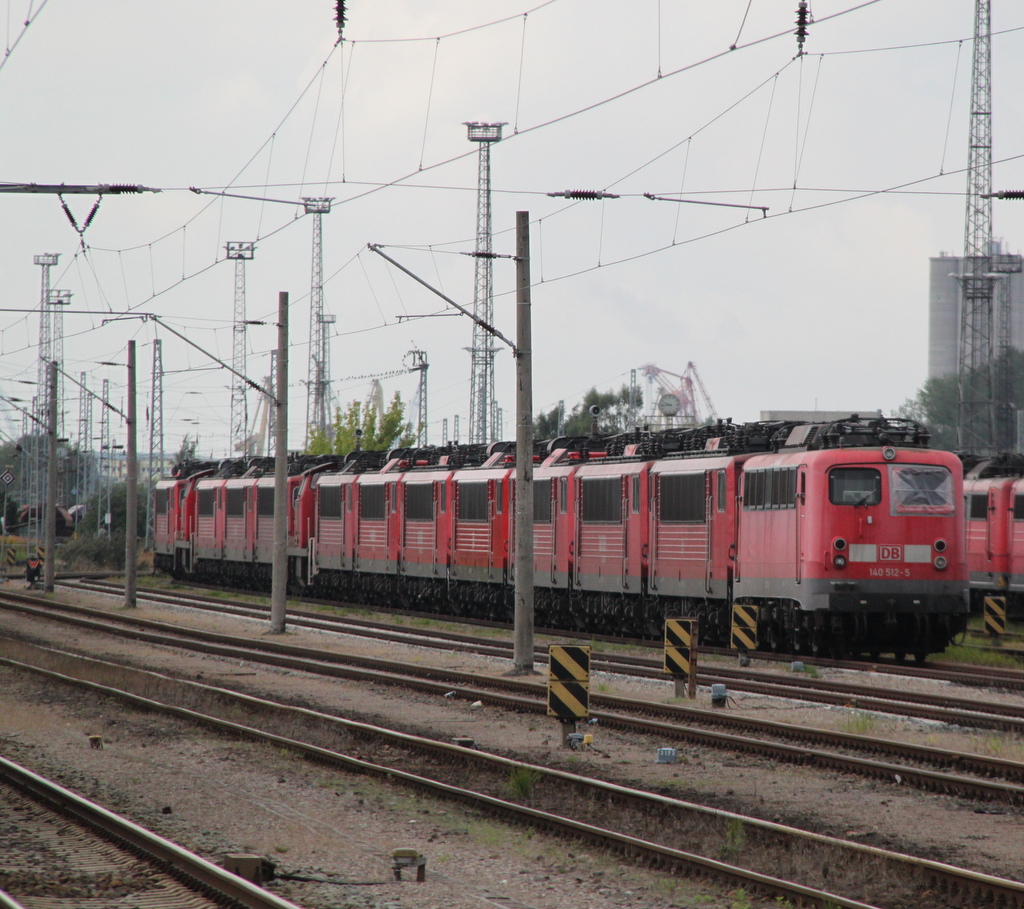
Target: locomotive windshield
(855,486)
(920,489)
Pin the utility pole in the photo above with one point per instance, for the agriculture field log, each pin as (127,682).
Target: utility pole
(241,253)
(481,390)
(131,530)
(523,619)
(279,577)
(51,479)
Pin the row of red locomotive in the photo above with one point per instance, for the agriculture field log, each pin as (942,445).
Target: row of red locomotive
(994,509)
(848,536)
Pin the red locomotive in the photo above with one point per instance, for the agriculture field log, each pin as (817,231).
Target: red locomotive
(844,537)
(994,512)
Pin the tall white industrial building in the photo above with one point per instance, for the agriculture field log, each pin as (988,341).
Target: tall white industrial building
(944,307)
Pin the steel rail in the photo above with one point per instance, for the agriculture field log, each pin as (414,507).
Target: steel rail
(125,832)
(970,675)
(953,711)
(440,681)
(930,873)
(309,659)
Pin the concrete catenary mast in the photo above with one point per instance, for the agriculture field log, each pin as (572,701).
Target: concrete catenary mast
(318,399)
(482,415)
(241,253)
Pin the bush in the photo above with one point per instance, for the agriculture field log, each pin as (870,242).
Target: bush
(86,552)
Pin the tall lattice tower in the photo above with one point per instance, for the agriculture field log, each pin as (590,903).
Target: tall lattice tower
(481,389)
(417,362)
(85,476)
(35,456)
(156,440)
(318,397)
(106,462)
(58,300)
(976,385)
(241,253)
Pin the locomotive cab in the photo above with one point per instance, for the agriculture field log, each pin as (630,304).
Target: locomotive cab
(865,544)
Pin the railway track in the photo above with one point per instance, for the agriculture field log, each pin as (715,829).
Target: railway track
(58,844)
(933,769)
(649,828)
(921,705)
(969,675)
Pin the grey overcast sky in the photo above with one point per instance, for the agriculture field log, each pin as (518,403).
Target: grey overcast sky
(857,148)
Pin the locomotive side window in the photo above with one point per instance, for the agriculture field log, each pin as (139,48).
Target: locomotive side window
(330,501)
(265,501)
(472,501)
(977,507)
(160,501)
(499,496)
(682,498)
(602,500)
(371,502)
(542,502)
(774,487)
(636,494)
(921,489)
(236,503)
(854,486)
(419,502)
(205,503)
(1018,508)
(721,491)
(563,493)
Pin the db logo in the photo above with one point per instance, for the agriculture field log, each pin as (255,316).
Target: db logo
(890,553)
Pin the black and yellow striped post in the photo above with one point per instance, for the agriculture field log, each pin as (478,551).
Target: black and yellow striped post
(681,655)
(995,616)
(744,627)
(568,685)
(41,552)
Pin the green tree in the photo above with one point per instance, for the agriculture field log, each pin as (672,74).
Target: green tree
(93,519)
(391,430)
(935,403)
(613,418)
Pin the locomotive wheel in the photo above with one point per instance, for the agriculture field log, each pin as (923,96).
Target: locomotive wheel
(875,654)
(900,656)
(921,656)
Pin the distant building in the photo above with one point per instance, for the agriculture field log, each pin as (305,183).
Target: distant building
(944,308)
(818,416)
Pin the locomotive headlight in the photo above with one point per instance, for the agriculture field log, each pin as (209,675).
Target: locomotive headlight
(940,562)
(940,545)
(840,561)
(839,544)
(889,453)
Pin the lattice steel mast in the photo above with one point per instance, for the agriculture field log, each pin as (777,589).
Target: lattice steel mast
(482,415)
(241,253)
(976,386)
(318,396)
(84,475)
(106,459)
(156,439)
(417,360)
